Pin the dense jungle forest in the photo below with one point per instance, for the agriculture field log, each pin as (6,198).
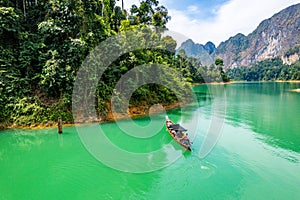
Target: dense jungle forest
(44,43)
(267,70)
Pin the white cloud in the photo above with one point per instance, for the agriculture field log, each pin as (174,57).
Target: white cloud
(236,16)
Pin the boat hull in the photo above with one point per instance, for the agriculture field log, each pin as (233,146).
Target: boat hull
(178,140)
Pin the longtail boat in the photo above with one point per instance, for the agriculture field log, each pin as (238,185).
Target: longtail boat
(178,133)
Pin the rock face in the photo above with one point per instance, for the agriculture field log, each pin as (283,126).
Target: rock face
(291,56)
(272,38)
(202,52)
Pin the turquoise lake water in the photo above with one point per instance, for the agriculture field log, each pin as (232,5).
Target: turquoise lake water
(256,128)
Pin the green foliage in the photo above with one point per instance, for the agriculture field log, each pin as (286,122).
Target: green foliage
(268,70)
(219,62)
(30,111)
(9,20)
(43,44)
(195,72)
(295,50)
(149,13)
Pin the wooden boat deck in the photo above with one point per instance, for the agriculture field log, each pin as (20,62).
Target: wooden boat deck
(177,133)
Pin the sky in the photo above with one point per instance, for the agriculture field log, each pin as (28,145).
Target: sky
(217,20)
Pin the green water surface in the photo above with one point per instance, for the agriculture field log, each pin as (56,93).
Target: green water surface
(257,155)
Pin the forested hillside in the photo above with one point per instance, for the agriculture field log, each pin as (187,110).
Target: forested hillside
(267,70)
(43,44)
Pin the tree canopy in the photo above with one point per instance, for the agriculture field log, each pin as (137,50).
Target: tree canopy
(268,70)
(44,43)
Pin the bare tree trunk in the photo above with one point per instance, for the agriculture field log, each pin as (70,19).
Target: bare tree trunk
(24,8)
(122,4)
(59,125)
(102,8)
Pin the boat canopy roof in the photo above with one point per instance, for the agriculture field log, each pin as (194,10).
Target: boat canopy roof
(177,127)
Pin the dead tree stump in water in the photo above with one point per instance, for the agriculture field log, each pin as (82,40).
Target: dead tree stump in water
(59,125)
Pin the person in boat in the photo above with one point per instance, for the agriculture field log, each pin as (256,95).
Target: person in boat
(169,124)
(185,142)
(183,139)
(184,136)
(173,132)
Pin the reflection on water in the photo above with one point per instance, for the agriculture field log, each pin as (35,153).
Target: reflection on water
(256,157)
(267,109)
(56,166)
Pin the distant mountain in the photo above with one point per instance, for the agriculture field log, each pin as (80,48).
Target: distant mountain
(202,52)
(210,47)
(278,36)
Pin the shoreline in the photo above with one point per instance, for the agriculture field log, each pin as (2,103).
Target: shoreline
(291,81)
(295,90)
(243,81)
(215,83)
(133,112)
